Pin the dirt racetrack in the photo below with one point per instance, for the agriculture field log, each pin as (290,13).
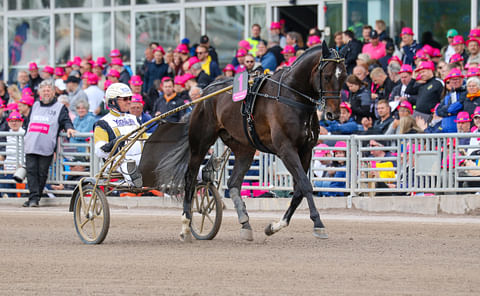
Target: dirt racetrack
(42,255)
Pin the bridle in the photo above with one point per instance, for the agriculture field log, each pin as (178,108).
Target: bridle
(328,94)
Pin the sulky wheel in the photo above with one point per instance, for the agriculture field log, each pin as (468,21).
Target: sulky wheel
(91,215)
(207,212)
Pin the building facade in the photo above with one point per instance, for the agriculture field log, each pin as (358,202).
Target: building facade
(50,32)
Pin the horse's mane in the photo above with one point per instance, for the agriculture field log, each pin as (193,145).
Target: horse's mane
(307,52)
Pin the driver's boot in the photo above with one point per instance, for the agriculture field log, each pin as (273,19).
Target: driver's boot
(134,174)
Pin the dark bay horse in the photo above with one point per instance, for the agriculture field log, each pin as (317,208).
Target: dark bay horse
(286,123)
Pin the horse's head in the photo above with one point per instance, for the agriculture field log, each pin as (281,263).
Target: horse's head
(328,79)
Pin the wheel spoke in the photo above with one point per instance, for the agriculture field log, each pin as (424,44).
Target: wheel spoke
(209,218)
(202,223)
(94,230)
(83,223)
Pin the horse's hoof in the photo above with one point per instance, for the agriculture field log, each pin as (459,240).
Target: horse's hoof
(246,234)
(320,233)
(186,238)
(268,230)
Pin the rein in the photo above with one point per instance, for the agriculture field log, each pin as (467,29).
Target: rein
(324,94)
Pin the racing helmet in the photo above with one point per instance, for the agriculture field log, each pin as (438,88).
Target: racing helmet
(114,91)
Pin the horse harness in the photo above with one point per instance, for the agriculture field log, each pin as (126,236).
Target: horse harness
(248,104)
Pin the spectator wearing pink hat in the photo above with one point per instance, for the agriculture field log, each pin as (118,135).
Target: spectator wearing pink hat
(398,93)
(408,46)
(169,101)
(94,94)
(113,75)
(276,30)
(458,44)
(404,109)
(473,71)
(97,69)
(463,121)
(473,95)
(476,122)
(313,40)
(156,70)
(229,70)
(345,125)
(47,72)
(473,46)
(14,121)
(3,121)
(136,108)
(426,92)
(453,101)
(136,84)
(115,53)
(59,72)
(117,64)
(180,56)
(34,77)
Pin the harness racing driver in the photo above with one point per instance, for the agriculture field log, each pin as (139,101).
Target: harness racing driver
(112,126)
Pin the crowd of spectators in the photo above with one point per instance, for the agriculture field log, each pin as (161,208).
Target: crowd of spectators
(392,88)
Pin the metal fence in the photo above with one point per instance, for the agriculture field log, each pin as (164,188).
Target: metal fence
(371,165)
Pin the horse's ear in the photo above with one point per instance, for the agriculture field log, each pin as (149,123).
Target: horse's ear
(325,50)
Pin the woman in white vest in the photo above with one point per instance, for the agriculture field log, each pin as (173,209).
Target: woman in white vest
(116,123)
(47,118)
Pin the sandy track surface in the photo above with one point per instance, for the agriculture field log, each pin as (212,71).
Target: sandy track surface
(42,255)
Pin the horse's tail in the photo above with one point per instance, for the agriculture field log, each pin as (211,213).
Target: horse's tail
(171,169)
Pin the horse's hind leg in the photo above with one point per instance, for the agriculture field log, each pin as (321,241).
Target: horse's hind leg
(243,160)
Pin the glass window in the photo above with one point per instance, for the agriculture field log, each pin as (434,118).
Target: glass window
(122,2)
(258,16)
(333,20)
(439,18)
(28,41)
(160,26)
(122,33)
(27,4)
(366,12)
(89,27)
(155,1)
(81,3)
(62,38)
(403,16)
(225,27)
(193,24)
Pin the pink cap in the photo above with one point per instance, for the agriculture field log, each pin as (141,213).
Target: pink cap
(288,49)
(32,66)
(160,49)
(188,76)
(77,60)
(27,100)
(406,68)
(86,75)
(116,61)
(453,73)
(473,39)
(106,84)
(115,53)
(463,117)
(275,25)
(458,40)
(192,61)
(166,78)
(182,48)
(476,112)
(229,67)
(12,107)
(27,91)
(113,73)
(473,71)
(15,115)
(245,44)
(436,53)
(420,54)
(427,49)
(69,64)
(76,63)
(456,58)
(313,39)
(135,80)
(179,80)
(92,79)
(395,59)
(241,53)
(406,31)
(137,98)
(346,106)
(406,104)
(474,33)
(426,65)
(59,71)
(340,144)
(48,69)
(323,152)
(97,64)
(101,60)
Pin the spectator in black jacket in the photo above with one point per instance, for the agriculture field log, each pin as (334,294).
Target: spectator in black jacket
(428,90)
(384,120)
(156,69)
(117,64)
(398,93)
(408,46)
(34,78)
(169,101)
(205,41)
(382,85)
(359,98)
(201,77)
(351,50)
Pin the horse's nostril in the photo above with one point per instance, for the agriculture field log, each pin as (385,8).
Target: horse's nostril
(330,116)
